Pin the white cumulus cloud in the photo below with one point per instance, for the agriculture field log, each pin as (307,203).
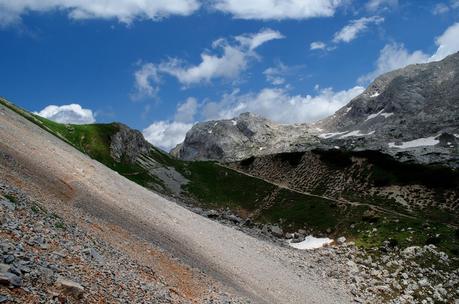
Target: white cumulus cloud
(124,11)
(394,55)
(448,43)
(277,10)
(68,114)
(234,58)
(166,134)
(278,105)
(186,111)
(354,28)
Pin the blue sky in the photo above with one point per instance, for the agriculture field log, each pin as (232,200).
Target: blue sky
(160,66)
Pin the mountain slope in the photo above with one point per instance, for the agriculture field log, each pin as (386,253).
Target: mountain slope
(257,201)
(88,193)
(244,136)
(411,114)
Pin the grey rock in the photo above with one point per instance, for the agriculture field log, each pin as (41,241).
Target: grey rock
(127,144)
(341,240)
(240,138)
(8,259)
(410,114)
(277,231)
(8,278)
(70,288)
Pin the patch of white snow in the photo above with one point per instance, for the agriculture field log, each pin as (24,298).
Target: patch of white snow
(355,133)
(420,142)
(376,94)
(234,122)
(311,242)
(328,135)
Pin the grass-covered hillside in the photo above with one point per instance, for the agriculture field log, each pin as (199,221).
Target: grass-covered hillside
(212,186)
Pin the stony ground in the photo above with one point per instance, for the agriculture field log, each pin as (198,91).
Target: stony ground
(46,260)
(74,231)
(380,275)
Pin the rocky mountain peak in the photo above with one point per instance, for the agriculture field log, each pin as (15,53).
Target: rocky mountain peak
(406,113)
(127,144)
(239,138)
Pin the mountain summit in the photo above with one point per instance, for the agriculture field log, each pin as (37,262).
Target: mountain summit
(411,114)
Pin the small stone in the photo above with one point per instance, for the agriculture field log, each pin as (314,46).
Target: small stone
(70,288)
(277,231)
(341,240)
(8,259)
(8,278)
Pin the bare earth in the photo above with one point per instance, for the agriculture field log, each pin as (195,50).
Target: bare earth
(192,253)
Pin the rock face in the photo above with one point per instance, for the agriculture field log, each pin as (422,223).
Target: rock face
(411,114)
(242,137)
(127,144)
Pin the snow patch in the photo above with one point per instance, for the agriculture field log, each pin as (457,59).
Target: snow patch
(234,122)
(328,135)
(387,114)
(348,109)
(209,131)
(376,94)
(420,142)
(371,116)
(456,135)
(355,133)
(311,242)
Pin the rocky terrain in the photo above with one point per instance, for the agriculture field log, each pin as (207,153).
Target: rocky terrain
(192,253)
(46,259)
(411,114)
(362,177)
(241,137)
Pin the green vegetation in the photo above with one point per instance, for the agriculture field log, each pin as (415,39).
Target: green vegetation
(214,186)
(11,198)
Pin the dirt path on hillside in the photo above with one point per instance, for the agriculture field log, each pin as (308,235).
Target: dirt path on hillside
(254,268)
(336,200)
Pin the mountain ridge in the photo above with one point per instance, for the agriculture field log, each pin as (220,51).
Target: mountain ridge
(411,114)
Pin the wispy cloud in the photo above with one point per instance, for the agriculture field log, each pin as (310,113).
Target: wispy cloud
(124,11)
(234,58)
(394,55)
(277,10)
(355,28)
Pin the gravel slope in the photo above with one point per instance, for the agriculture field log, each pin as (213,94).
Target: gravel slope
(256,269)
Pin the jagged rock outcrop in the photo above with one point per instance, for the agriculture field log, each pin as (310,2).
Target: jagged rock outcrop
(128,144)
(411,114)
(242,137)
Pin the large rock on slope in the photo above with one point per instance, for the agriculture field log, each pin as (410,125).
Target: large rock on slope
(128,144)
(411,114)
(242,137)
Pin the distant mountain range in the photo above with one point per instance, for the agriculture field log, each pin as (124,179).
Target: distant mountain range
(411,114)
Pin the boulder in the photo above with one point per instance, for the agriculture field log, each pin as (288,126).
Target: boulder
(69,288)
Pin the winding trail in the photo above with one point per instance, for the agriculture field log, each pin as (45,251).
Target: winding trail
(253,268)
(336,200)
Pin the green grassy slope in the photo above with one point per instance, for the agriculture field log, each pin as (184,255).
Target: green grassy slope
(213,186)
